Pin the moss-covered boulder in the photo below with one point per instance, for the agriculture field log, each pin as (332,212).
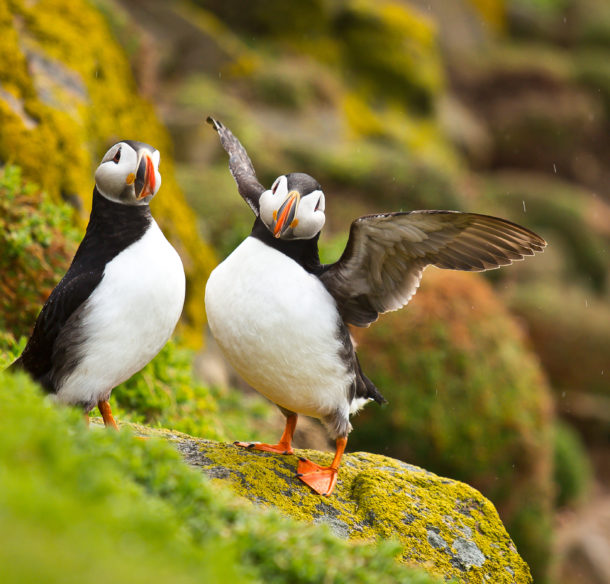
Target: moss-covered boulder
(64,101)
(442,525)
(467,399)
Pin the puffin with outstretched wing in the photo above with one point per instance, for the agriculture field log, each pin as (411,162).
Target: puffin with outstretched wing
(281,317)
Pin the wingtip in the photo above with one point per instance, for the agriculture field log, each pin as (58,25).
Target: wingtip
(214,123)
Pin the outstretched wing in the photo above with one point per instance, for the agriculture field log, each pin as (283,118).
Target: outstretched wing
(385,256)
(240,165)
(66,298)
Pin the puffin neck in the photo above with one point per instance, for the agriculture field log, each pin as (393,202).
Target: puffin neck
(112,227)
(302,251)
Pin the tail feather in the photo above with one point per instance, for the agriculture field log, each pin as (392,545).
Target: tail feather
(366,388)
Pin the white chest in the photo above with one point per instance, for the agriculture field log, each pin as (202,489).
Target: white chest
(277,325)
(129,316)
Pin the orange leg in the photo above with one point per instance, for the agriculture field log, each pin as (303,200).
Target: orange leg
(86,416)
(322,479)
(284,446)
(104,408)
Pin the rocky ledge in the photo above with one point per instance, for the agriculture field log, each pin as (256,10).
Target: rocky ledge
(444,526)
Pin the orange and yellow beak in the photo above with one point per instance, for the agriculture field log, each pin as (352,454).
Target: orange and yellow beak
(145,180)
(284,217)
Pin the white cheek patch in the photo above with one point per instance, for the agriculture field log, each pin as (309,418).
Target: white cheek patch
(268,203)
(156,157)
(110,179)
(310,220)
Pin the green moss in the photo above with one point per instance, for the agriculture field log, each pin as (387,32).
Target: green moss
(467,399)
(572,467)
(390,52)
(271,18)
(376,498)
(68,102)
(94,505)
(37,242)
(10,348)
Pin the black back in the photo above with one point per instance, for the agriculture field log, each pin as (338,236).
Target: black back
(112,228)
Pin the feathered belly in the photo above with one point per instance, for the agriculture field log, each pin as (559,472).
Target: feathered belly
(277,325)
(127,320)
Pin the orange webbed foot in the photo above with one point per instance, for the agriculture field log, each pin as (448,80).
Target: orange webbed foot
(284,446)
(322,479)
(276,448)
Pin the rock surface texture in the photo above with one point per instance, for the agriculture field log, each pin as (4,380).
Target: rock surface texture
(444,526)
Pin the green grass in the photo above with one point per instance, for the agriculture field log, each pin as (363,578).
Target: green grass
(94,505)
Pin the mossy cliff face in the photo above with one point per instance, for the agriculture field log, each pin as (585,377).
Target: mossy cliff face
(63,102)
(445,526)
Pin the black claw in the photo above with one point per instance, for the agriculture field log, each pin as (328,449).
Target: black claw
(251,445)
(300,474)
(302,459)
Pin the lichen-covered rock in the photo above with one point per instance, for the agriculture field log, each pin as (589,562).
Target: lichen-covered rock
(467,399)
(443,525)
(64,101)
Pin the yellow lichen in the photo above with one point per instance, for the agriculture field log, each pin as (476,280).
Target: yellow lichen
(77,98)
(493,13)
(376,497)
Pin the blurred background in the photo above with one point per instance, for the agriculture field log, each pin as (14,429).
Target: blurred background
(492,106)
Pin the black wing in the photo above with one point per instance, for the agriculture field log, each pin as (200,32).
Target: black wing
(385,256)
(240,165)
(66,298)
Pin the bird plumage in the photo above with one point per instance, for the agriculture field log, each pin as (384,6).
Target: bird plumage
(121,298)
(281,317)
(385,256)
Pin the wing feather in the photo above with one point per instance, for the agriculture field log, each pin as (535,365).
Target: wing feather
(66,298)
(383,262)
(240,165)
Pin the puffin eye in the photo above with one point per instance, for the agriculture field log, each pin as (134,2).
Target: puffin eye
(117,156)
(276,184)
